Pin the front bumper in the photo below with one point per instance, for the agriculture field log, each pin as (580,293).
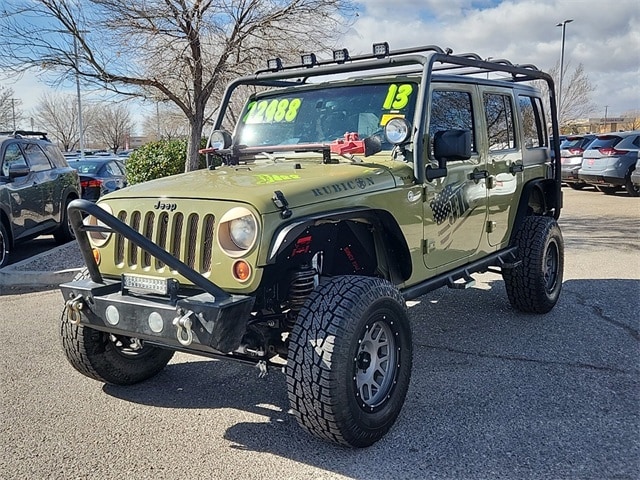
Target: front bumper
(204,319)
(215,326)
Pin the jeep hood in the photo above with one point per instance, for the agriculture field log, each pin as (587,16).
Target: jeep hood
(255,184)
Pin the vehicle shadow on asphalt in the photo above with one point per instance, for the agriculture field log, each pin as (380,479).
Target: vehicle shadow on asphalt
(494,393)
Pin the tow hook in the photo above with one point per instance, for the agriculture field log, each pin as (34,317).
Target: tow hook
(183,324)
(73,307)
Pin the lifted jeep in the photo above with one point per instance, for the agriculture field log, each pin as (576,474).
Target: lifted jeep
(337,200)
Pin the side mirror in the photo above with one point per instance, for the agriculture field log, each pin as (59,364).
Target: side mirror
(449,145)
(18,170)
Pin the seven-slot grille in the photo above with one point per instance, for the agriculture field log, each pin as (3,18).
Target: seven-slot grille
(187,237)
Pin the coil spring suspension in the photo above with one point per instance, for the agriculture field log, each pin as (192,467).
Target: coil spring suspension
(302,284)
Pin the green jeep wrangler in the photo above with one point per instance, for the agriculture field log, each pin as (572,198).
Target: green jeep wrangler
(347,187)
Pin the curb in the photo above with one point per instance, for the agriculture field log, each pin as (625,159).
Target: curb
(36,279)
(16,276)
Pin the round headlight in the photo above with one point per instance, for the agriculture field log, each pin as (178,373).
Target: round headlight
(397,130)
(99,238)
(237,231)
(220,139)
(243,231)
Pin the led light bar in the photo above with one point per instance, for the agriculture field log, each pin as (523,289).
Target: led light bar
(381,50)
(309,59)
(147,284)
(274,64)
(341,56)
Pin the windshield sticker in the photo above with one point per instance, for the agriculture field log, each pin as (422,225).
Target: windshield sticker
(388,116)
(276,110)
(264,179)
(397,96)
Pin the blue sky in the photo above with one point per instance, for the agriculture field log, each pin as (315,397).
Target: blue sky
(604,37)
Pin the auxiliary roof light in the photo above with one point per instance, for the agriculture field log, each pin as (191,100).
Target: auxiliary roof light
(381,50)
(274,64)
(341,56)
(309,59)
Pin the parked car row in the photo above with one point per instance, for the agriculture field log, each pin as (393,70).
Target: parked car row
(37,182)
(36,185)
(606,161)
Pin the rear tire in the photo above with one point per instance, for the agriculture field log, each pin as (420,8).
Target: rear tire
(100,356)
(577,186)
(5,244)
(349,360)
(534,285)
(607,190)
(632,190)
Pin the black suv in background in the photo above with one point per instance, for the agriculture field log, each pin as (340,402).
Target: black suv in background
(36,185)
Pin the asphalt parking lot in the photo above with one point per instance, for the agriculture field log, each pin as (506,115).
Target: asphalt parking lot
(494,394)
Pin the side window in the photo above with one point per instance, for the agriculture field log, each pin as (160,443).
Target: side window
(37,159)
(12,156)
(54,155)
(532,121)
(113,169)
(451,110)
(499,112)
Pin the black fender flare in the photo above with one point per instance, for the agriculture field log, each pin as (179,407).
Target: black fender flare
(539,197)
(391,236)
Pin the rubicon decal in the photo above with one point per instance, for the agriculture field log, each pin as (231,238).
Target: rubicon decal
(357,184)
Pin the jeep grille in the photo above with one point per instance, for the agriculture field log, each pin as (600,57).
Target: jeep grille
(188,238)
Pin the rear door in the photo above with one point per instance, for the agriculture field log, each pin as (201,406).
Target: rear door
(21,194)
(46,184)
(504,164)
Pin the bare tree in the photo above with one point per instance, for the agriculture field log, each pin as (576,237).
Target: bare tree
(183,51)
(166,123)
(576,93)
(112,125)
(10,112)
(632,120)
(58,115)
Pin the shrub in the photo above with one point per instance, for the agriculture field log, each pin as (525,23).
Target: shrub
(157,160)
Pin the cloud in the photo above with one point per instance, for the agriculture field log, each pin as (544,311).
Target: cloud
(604,37)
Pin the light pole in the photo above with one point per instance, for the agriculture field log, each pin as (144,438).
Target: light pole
(80,125)
(564,26)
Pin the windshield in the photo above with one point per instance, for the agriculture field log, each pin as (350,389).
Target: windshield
(325,114)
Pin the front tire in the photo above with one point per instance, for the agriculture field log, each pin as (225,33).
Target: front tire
(349,360)
(534,285)
(103,357)
(64,233)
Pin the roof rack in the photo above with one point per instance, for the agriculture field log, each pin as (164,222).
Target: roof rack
(25,133)
(469,63)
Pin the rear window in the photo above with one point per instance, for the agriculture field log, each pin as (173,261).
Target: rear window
(606,141)
(571,143)
(86,167)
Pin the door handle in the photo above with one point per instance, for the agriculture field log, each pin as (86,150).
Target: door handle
(478,175)
(516,168)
